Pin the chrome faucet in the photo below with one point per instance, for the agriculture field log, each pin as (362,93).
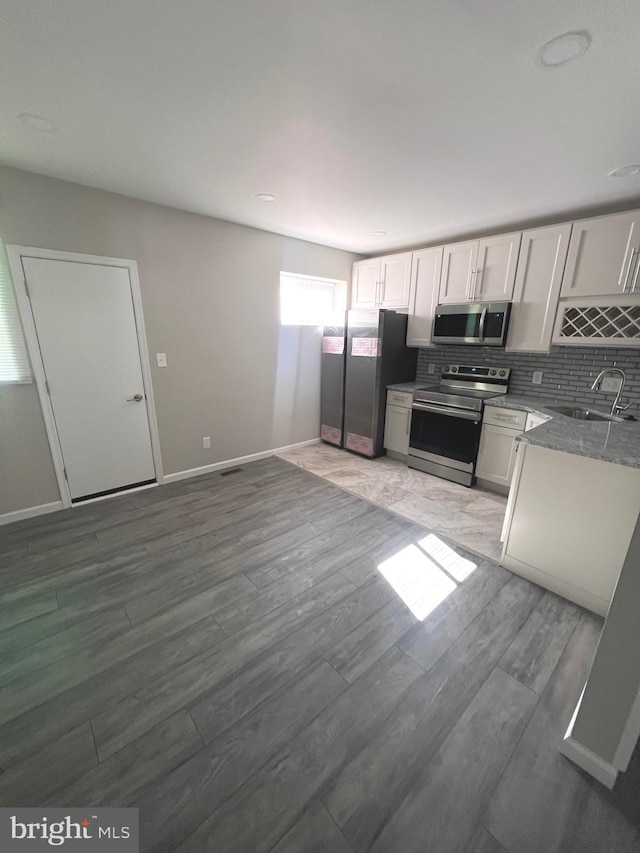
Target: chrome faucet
(615,406)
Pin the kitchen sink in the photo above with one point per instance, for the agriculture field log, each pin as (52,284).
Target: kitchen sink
(583,414)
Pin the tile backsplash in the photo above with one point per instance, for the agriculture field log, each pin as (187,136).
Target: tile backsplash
(568,372)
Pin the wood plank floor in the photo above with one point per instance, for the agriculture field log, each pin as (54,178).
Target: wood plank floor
(230,655)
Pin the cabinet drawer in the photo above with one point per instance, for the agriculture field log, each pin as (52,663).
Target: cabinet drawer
(504,417)
(399,398)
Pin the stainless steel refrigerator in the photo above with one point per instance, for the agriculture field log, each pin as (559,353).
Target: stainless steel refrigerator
(362,352)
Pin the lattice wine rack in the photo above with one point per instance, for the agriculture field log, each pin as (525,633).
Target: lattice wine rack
(614,323)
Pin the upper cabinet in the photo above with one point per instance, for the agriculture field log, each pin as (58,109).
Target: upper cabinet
(479,270)
(571,284)
(382,282)
(458,265)
(364,283)
(425,279)
(603,257)
(543,254)
(600,295)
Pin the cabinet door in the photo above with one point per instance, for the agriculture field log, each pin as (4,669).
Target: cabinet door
(425,280)
(495,270)
(396,429)
(364,283)
(543,254)
(395,277)
(458,260)
(497,454)
(603,256)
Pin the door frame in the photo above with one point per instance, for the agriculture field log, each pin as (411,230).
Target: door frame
(16,254)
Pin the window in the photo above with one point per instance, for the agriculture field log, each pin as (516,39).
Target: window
(14,362)
(308,301)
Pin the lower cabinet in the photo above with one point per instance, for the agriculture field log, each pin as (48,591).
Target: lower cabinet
(569,522)
(397,425)
(497,453)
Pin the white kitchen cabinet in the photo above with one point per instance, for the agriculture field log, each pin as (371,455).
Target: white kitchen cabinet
(425,278)
(395,281)
(397,425)
(569,522)
(541,263)
(364,283)
(382,282)
(496,268)
(604,257)
(458,263)
(479,270)
(497,452)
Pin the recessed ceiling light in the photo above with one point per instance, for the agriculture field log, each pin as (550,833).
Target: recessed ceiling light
(626,172)
(265,197)
(563,49)
(39,123)
(379,234)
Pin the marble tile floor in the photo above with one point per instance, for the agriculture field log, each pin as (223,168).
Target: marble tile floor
(471,518)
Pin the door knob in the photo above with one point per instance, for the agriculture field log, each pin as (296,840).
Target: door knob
(137,398)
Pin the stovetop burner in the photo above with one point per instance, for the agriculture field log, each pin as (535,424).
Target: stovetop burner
(465,387)
(458,392)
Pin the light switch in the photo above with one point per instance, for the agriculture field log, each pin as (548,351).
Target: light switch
(431,368)
(161,358)
(537,377)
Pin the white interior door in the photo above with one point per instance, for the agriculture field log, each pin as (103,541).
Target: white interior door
(85,323)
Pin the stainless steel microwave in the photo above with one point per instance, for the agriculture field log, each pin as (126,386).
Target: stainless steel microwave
(475,323)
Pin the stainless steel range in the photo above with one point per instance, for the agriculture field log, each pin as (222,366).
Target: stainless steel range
(446,420)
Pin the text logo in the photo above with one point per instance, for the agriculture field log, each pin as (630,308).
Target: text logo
(105,830)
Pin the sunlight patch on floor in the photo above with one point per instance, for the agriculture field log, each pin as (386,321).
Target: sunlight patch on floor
(458,567)
(423,575)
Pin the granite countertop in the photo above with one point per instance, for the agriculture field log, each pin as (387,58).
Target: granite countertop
(610,441)
(407,386)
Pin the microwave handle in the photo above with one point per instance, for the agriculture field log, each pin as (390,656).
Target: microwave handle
(483,317)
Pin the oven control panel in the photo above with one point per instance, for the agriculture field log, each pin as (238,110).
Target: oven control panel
(481,373)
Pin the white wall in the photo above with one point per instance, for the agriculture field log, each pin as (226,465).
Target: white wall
(210,292)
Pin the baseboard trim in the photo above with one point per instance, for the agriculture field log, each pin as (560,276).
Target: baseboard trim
(232,463)
(589,761)
(30,512)
(566,590)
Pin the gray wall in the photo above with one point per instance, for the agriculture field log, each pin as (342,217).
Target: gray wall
(568,372)
(210,293)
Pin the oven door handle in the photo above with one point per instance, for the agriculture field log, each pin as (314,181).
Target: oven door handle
(483,317)
(467,414)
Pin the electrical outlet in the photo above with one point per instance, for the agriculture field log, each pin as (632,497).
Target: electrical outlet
(537,377)
(431,368)
(610,384)
(161,359)
(206,442)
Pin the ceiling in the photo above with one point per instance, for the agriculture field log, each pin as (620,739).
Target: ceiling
(420,118)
